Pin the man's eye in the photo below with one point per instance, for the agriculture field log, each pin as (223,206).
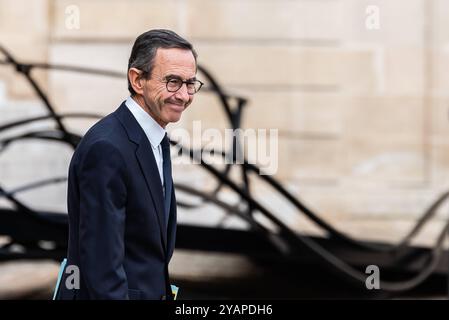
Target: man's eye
(174,81)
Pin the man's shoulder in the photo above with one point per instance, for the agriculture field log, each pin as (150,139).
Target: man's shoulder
(107,130)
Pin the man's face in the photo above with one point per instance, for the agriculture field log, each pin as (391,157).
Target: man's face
(162,105)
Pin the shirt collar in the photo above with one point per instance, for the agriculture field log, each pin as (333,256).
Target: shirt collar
(154,132)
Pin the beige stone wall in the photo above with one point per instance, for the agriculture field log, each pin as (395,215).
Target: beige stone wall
(362,114)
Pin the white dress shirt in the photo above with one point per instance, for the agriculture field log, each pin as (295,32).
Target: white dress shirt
(154,132)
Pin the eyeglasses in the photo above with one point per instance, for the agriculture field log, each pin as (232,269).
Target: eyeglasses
(193,86)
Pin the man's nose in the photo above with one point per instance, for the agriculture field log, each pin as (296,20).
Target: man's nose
(182,93)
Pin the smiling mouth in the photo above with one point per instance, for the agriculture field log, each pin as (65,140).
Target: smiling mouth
(176,106)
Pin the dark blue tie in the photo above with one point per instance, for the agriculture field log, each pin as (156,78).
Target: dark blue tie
(168,184)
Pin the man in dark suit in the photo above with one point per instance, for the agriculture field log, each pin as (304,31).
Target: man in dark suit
(121,200)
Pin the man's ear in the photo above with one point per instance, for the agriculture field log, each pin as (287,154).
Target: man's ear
(136,80)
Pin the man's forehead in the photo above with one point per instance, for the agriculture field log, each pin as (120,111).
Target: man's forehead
(175,57)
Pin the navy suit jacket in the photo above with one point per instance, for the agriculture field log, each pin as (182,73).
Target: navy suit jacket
(118,237)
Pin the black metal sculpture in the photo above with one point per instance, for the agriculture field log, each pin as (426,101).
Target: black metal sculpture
(28,227)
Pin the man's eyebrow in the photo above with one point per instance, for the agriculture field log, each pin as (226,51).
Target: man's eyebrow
(175,76)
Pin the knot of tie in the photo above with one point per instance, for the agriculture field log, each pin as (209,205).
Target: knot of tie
(165,144)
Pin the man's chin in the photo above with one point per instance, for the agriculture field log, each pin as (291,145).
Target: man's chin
(173,112)
(174,117)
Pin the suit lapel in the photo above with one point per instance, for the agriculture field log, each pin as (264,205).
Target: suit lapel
(148,166)
(147,163)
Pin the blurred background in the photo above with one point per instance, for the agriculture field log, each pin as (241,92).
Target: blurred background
(358,90)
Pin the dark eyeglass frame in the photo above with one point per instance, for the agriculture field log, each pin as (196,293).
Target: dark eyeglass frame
(181,82)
